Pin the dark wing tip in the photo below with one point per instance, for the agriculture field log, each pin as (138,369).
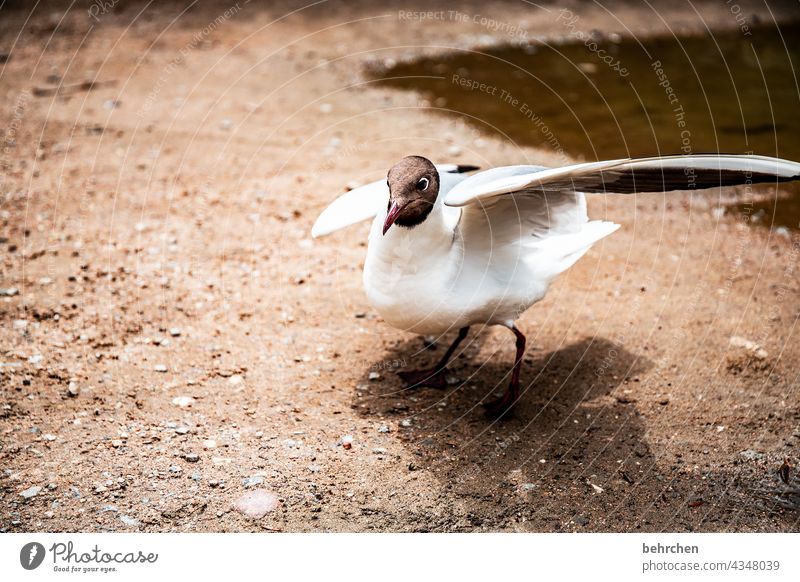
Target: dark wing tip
(462,168)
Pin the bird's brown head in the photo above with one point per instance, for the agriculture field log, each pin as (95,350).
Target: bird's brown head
(413,188)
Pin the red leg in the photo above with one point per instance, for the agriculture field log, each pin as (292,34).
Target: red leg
(434,377)
(500,406)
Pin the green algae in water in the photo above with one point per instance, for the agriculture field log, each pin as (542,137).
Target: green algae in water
(721,92)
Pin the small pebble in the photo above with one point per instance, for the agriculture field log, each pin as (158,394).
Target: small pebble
(374,376)
(253,481)
(752,455)
(174,331)
(73,390)
(183,401)
(160,368)
(256,504)
(129,521)
(31,492)
(191,457)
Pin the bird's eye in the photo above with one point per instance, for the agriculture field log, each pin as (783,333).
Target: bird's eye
(422,184)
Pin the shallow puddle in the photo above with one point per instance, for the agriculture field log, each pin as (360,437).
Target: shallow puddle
(600,98)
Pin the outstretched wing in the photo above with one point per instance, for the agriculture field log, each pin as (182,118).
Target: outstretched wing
(628,176)
(541,212)
(364,202)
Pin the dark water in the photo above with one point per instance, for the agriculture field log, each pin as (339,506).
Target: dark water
(722,92)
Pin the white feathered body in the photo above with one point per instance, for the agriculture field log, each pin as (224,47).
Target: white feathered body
(453,270)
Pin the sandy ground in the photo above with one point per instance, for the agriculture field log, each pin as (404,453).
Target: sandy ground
(173,341)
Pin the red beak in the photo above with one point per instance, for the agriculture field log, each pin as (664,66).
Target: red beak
(394,212)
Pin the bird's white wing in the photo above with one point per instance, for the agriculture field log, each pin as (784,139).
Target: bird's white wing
(628,176)
(541,213)
(364,202)
(351,207)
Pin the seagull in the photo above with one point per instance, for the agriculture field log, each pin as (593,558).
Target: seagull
(449,249)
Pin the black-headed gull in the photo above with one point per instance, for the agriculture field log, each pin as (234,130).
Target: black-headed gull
(448,250)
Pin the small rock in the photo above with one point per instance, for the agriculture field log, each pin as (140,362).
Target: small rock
(10,292)
(191,457)
(374,376)
(379,451)
(405,423)
(580,520)
(49,437)
(256,504)
(31,492)
(116,443)
(182,430)
(160,368)
(347,441)
(253,481)
(174,331)
(183,401)
(129,521)
(752,455)
(209,444)
(751,346)
(383,428)
(73,390)
(314,468)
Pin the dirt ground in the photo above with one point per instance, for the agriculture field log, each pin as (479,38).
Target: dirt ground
(173,340)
